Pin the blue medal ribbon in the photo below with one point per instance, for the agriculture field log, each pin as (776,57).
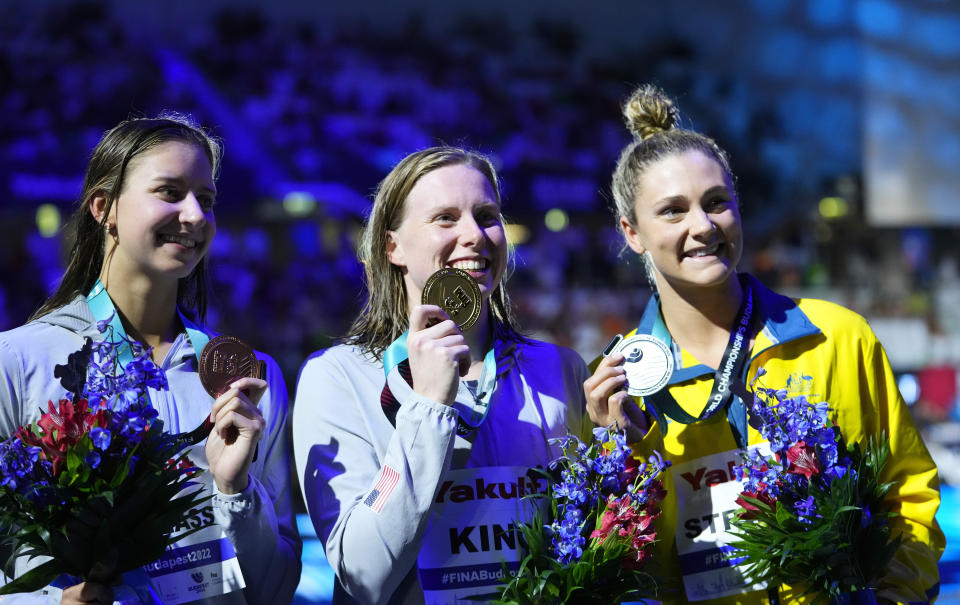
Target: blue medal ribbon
(397,353)
(102,307)
(728,391)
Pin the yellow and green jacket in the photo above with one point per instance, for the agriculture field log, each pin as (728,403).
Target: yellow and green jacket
(827,353)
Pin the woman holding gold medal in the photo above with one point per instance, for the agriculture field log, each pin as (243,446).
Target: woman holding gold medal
(708,326)
(413,438)
(143,227)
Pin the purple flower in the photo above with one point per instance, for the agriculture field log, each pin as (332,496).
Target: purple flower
(18,465)
(93,459)
(805,509)
(590,474)
(104,324)
(100,438)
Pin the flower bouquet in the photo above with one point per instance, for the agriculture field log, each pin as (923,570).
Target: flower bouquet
(95,484)
(812,512)
(602,504)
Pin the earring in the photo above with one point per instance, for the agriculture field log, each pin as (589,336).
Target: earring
(112,228)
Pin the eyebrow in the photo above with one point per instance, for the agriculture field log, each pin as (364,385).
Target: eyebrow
(443,206)
(162,178)
(673,199)
(716,189)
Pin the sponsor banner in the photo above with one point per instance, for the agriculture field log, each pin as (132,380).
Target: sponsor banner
(201,565)
(185,557)
(474,530)
(710,559)
(706,491)
(197,583)
(467,576)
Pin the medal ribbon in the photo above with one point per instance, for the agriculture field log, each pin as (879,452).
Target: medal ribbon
(727,378)
(396,356)
(102,308)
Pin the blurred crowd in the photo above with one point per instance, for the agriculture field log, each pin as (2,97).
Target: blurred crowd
(321,113)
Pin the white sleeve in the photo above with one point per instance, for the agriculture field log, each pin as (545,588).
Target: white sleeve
(11,387)
(259,521)
(369,501)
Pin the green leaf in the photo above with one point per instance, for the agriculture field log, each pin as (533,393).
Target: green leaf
(35,579)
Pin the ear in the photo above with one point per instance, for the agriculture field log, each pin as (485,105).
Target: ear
(98,206)
(394,250)
(630,234)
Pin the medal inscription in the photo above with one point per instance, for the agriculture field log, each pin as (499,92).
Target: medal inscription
(225,359)
(456,293)
(647,362)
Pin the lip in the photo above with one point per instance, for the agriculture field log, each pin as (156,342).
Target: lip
(484,262)
(187,242)
(712,251)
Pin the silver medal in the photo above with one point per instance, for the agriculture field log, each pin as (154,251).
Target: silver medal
(647,361)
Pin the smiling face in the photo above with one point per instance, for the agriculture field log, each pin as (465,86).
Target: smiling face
(164,215)
(687,221)
(451,218)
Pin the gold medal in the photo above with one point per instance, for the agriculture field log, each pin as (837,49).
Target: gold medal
(454,291)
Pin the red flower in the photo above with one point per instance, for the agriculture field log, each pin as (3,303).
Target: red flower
(61,429)
(183,464)
(751,509)
(803,460)
(615,516)
(626,519)
(631,468)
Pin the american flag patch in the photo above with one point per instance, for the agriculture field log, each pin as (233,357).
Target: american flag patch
(381,491)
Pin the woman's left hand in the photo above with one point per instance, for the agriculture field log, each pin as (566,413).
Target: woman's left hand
(237,427)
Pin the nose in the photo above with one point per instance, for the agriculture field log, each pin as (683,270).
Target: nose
(471,235)
(700,222)
(191,210)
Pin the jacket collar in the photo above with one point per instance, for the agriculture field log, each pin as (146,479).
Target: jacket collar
(782,321)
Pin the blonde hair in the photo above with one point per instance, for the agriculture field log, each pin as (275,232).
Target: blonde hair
(653,119)
(384,315)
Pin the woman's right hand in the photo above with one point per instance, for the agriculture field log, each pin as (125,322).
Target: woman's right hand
(87,592)
(608,401)
(439,354)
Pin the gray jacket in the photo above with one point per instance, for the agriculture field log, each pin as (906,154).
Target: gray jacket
(342,440)
(259,522)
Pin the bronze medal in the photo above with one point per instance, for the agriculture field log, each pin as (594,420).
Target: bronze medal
(224,360)
(456,293)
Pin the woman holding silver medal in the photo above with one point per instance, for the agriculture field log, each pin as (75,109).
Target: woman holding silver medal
(142,229)
(708,326)
(413,438)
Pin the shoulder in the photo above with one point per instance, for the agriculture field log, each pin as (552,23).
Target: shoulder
(339,364)
(344,356)
(791,317)
(334,386)
(550,356)
(835,320)
(38,339)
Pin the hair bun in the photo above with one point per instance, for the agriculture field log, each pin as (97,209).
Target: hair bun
(649,111)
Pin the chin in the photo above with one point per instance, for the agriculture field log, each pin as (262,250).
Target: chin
(716,278)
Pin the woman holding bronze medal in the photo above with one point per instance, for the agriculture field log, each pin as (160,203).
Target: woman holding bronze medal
(678,209)
(413,438)
(142,230)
